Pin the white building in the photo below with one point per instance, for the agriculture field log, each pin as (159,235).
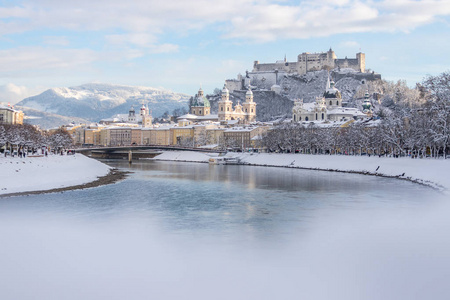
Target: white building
(144,117)
(326,108)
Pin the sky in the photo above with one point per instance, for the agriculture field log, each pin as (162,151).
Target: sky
(181,45)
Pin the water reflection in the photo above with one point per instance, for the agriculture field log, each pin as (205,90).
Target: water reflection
(191,197)
(194,231)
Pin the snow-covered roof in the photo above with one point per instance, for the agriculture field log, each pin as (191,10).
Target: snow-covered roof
(10,108)
(188,116)
(211,146)
(325,124)
(208,117)
(346,111)
(240,129)
(232,122)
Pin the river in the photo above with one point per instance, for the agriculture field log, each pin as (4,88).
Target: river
(196,231)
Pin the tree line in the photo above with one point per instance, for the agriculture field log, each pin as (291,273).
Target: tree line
(415,123)
(29,137)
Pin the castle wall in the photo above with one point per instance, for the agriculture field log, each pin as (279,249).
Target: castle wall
(234,85)
(358,76)
(307,62)
(257,67)
(266,78)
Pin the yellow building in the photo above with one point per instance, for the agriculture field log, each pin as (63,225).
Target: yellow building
(243,137)
(181,135)
(156,136)
(92,136)
(8,115)
(86,135)
(162,136)
(215,135)
(105,137)
(136,136)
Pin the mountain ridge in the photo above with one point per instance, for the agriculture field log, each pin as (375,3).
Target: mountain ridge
(96,101)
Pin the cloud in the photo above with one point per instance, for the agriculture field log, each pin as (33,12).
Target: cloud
(310,19)
(56,40)
(350,44)
(11,93)
(137,39)
(142,22)
(30,59)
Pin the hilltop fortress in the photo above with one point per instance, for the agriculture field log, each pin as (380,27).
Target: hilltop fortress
(306,62)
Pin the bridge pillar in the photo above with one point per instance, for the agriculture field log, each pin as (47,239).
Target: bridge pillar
(130,156)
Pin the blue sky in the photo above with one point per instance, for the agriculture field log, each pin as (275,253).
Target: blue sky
(178,44)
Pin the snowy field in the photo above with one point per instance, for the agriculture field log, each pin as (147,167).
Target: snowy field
(45,173)
(432,172)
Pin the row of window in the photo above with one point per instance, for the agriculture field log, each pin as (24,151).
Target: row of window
(228,109)
(307,118)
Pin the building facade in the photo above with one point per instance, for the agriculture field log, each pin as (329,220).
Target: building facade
(200,105)
(307,62)
(326,108)
(246,113)
(9,115)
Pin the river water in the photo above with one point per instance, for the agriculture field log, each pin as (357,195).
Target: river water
(195,231)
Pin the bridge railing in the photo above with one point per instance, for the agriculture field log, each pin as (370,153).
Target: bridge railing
(144,147)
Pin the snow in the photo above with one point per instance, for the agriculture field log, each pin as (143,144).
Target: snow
(431,172)
(346,70)
(45,173)
(190,156)
(55,171)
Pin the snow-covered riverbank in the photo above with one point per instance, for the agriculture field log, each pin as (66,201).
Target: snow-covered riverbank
(18,175)
(432,172)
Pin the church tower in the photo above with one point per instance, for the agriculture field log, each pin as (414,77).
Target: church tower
(249,107)
(225,105)
(332,95)
(200,105)
(367,106)
(145,115)
(132,115)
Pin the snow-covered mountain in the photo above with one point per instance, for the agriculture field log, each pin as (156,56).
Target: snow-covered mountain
(97,101)
(47,120)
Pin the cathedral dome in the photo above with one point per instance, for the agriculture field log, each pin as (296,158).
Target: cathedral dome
(332,92)
(249,92)
(201,101)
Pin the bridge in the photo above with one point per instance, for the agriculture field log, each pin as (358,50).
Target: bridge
(135,151)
